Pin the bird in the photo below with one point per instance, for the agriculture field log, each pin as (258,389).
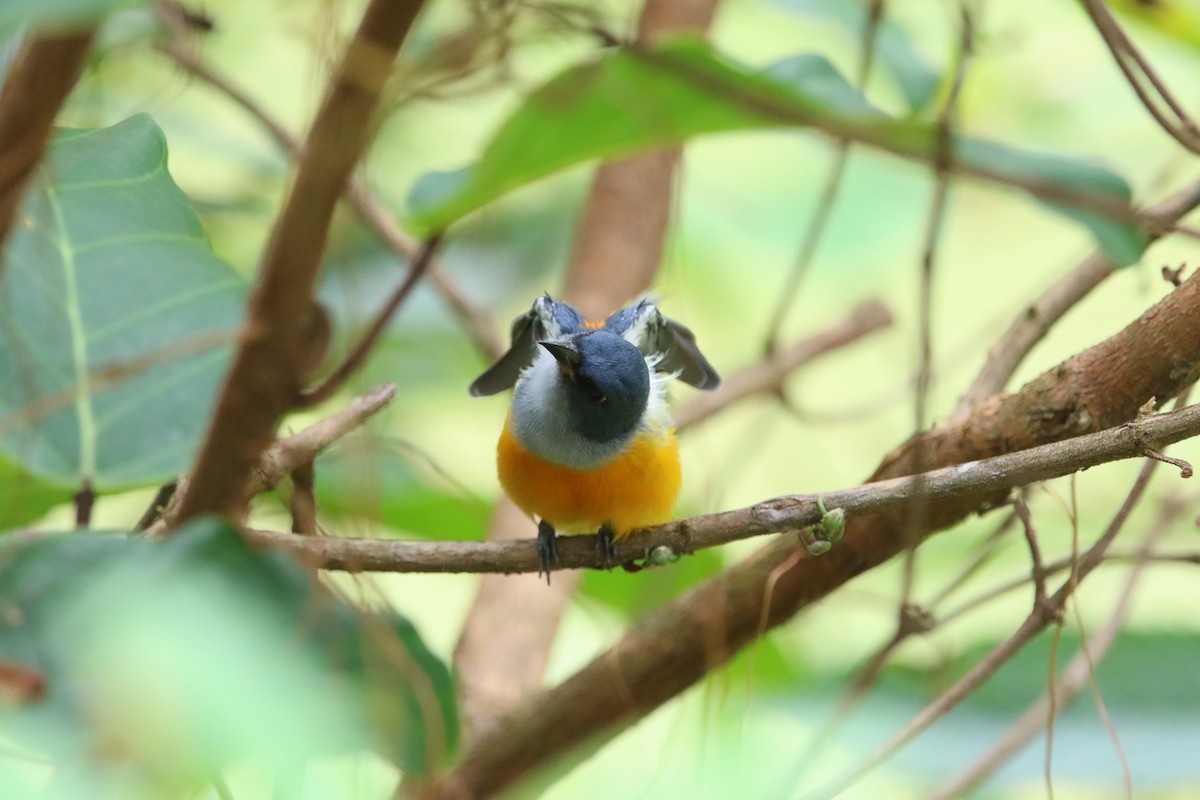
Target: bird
(588,445)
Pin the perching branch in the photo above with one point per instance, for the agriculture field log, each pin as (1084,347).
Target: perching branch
(38,83)
(264,381)
(782,514)
(672,647)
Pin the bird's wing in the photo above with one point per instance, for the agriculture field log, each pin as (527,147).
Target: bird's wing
(652,333)
(547,319)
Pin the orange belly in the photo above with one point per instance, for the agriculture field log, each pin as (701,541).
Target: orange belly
(635,489)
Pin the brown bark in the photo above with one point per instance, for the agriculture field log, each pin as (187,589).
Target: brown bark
(672,648)
(38,83)
(264,382)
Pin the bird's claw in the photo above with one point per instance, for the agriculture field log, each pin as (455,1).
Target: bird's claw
(604,546)
(547,549)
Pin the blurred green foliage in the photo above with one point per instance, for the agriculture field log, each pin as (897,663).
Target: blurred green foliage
(164,662)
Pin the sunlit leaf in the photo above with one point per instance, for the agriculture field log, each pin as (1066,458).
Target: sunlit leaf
(115,315)
(638,99)
(175,657)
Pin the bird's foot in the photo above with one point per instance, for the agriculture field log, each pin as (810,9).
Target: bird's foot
(547,549)
(604,546)
(819,538)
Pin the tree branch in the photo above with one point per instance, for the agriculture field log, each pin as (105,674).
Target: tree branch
(1074,677)
(291,452)
(1036,319)
(359,353)
(1183,129)
(264,381)
(674,646)
(368,209)
(38,83)
(778,515)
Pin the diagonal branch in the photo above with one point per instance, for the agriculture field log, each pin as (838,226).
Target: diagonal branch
(1137,71)
(286,455)
(1036,319)
(675,646)
(264,381)
(363,203)
(38,83)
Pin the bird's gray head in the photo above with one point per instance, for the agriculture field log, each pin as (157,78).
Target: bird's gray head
(606,381)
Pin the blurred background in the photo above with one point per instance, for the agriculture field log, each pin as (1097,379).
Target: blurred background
(1040,79)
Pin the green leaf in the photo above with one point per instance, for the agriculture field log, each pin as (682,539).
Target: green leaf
(176,657)
(56,13)
(893,48)
(388,481)
(115,315)
(637,99)
(24,498)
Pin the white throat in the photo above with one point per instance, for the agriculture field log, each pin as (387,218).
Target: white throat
(541,420)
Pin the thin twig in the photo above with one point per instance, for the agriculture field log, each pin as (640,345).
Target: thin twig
(818,223)
(915,523)
(1037,620)
(369,210)
(1036,319)
(1076,674)
(159,504)
(358,355)
(1037,571)
(264,380)
(770,374)
(85,501)
(292,452)
(1136,67)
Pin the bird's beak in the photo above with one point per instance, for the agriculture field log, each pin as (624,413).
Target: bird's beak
(566,354)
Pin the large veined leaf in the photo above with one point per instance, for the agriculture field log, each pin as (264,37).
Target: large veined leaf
(170,659)
(115,315)
(637,99)
(56,13)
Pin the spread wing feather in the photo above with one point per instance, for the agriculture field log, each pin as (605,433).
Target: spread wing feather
(652,333)
(547,319)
